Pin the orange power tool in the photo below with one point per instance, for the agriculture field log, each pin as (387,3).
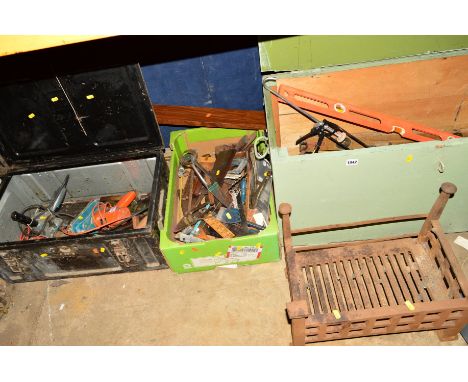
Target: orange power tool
(361,116)
(106,215)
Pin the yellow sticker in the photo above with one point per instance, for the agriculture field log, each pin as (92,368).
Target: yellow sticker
(265,173)
(181,252)
(409,305)
(89,96)
(258,245)
(42,217)
(102,249)
(337,314)
(217,172)
(228,215)
(31,116)
(339,107)
(54,99)
(218,253)
(44,255)
(80,217)
(409,158)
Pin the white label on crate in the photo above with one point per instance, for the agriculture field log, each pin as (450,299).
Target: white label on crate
(244,253)
(211,261)
(235,254)
(352,162)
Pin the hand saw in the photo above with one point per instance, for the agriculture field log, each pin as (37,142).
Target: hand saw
(361,116)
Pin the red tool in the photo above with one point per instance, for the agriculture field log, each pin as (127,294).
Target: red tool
(105,215)
(360,116)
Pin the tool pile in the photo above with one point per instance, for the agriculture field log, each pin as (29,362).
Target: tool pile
(225,193)
(59,219)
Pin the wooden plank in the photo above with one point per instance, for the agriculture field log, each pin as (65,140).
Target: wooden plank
(391,278)
(353,285)
(209,117)
(275,112)
(405,270)
(313,291)
(14,44)
(369,283)
(361,284)
(434,94)
(377,282)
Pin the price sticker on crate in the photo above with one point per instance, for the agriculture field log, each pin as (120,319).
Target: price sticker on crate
(244,253)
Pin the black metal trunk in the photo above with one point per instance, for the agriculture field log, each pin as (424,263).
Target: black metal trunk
(100,129)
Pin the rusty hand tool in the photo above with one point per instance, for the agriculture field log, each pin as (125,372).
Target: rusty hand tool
(359,115)
(222,164)
(189,160)
(192,217)
(258,191)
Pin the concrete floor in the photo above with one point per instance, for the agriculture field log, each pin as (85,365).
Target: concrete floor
(244,306)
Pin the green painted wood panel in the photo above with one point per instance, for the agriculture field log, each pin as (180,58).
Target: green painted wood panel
(387,181)
(307,52)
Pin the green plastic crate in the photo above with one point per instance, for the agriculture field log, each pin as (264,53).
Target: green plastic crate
(192,257)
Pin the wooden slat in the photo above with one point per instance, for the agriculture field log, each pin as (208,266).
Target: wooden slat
(414,272)
(338,288)
(369,282)
(209,117)
(320,289)
(377,282)
(312,290)
(345,285)
(406,274)
(393,282)
(275,112)
(353,285)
